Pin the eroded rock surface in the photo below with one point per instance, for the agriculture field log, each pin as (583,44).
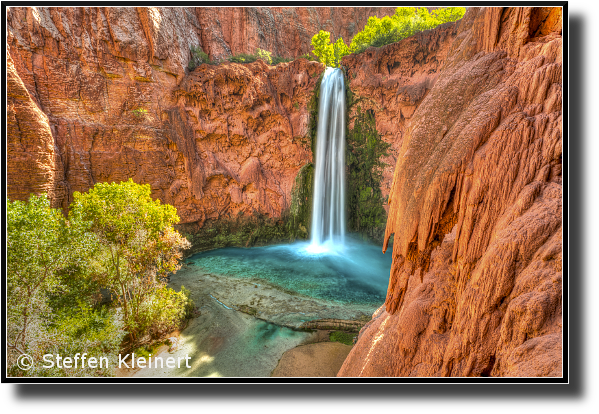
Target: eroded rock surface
(284,31)
(391,81)
(475,212)
(103,94)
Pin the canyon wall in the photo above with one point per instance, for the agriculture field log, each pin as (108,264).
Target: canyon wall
(284,31)
(472,110)
(103,94)
(391,81)
(476,212)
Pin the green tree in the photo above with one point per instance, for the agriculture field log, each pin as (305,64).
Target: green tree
(406,22)
(327,53)
(323,50)
(46,254)
(265,55)
(140,246)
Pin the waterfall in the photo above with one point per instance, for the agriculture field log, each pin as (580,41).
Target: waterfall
(328,209)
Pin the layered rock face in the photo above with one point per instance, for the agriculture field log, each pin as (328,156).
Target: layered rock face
(284,31)
(476,212)
(391,81)
(102,95)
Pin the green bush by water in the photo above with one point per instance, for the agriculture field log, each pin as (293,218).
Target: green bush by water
(115,237)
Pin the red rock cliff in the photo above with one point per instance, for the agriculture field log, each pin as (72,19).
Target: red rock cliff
(475,212)
(284,31)
(102,94)
(393,80)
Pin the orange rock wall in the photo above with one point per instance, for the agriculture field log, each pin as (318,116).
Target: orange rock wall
(103,94)
(284,31)
(391,81)
(475,212)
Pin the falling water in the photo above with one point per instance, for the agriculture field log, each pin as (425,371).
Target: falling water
(328,211)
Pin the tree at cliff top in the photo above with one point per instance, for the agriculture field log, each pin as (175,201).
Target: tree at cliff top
(406,22)
(139,249)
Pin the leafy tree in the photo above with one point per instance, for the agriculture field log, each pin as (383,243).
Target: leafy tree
(265,55)
(140,246)
(46,255)
(406,22)
(322,47)
(327,53)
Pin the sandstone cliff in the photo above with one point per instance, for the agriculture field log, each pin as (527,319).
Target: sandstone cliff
(392,81)
(475,212)
(284,31)
(103,94)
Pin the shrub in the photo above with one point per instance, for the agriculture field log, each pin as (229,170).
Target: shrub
(167,310)
(365,148)
(309,56)
(140,112)
(278,59)
(343,337)
(198,56)
(264,55)
(406,22)
(243,58)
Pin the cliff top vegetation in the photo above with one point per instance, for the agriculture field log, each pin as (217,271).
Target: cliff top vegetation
(406,22)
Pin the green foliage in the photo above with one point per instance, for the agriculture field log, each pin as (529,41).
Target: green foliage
(265,55)
(309,56)
(279,59)
(139,247)
(117,237)
(365,201)
(241,232)
(327,53)
(300,211)
(81,329)
(343,337)
(243,58)
(167,309)
(50,280)
(198,57)
(406,22)
(313,111)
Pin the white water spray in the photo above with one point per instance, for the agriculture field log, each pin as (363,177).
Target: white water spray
(328,210)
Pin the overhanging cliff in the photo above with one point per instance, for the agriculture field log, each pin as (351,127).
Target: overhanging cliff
(475,212)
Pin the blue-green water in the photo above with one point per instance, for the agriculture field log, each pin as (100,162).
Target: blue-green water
(357,273)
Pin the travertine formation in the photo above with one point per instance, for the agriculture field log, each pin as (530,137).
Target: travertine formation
(475,212)
(392,81)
